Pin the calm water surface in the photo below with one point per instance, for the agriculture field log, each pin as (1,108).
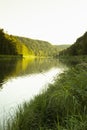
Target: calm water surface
(21,80)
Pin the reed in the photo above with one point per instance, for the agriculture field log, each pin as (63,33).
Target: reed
(63,106)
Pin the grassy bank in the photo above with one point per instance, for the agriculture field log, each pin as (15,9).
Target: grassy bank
(73,60)
(63,106)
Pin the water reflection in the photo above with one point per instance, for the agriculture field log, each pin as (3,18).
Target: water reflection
(10,68)
(21,79)
(7,67)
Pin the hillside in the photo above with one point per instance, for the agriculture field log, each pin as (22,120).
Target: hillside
(11,46)
(78,48)
(15,45)
(41,48)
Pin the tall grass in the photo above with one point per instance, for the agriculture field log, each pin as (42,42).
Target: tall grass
(63,106)
(73,60)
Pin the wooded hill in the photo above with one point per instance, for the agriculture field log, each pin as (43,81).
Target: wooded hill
(78,48)
(41,48)
(11,46)
(15,45)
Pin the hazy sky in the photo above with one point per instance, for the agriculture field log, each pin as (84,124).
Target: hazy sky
(56,21)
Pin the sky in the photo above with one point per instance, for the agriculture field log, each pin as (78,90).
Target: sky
(55,21)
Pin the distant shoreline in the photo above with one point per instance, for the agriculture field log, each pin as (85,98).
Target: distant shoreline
(10,56)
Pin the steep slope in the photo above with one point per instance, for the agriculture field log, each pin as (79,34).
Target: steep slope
(15,45)
(41,48)
(78,48)
(11,46)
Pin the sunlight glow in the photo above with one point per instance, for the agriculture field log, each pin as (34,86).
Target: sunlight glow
(56,21)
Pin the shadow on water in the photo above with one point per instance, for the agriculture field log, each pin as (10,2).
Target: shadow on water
(6,69)
(20,67)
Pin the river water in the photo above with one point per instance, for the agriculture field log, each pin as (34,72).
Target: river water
(21,80)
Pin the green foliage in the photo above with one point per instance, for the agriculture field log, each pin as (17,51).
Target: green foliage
(6,45)
(41,48)
(14,45)
(78,48)
(63,106)
(10,46)
(73,60)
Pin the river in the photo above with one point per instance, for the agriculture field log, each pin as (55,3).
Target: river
(21,80)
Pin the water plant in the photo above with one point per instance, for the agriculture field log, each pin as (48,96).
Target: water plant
(63,106)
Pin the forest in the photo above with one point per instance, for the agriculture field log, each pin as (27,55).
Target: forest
(63,104)
(11,46)
(21,46)
(41,48)
(78,48)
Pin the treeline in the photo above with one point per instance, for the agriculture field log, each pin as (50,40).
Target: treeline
(37,47)
(41,48)
(78,48)
(15,45)
(11,46)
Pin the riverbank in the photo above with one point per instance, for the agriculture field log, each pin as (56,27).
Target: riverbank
(73,60)
(23,56)
(63,106)
(10,56)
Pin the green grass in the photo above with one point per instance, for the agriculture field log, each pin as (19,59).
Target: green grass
(73,60)
(63,106)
